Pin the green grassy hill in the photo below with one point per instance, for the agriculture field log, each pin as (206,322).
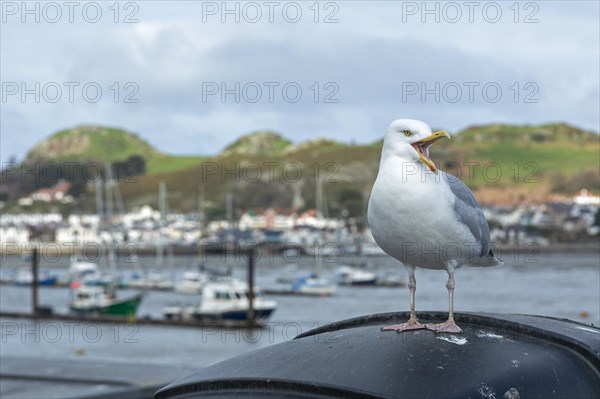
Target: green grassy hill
(258,143)
(105,144)
(533,162)
(553,147)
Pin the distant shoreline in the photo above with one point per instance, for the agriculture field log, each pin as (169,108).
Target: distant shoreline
(568,247)
(55,249)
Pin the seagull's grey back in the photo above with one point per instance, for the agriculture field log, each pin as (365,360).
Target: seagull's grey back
(469,213)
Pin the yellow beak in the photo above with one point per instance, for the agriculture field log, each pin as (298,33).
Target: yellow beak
(421,147)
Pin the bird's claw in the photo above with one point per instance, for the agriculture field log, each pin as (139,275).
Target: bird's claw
(408,326)
(447,327)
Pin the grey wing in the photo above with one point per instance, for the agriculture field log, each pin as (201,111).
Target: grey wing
(469,213)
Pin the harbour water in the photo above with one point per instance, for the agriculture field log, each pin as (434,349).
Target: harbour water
(564,285)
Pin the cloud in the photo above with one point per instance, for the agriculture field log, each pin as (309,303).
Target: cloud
(366,62)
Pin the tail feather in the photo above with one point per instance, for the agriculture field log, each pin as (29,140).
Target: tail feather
(486,261)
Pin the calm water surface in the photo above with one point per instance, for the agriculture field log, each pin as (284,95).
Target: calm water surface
(563,285)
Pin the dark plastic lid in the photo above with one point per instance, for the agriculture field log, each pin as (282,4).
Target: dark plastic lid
(496,356)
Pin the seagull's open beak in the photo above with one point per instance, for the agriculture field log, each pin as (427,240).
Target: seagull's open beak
(422,147)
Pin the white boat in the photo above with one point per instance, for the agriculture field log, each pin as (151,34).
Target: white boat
(347,275)
(313,285)
(150,281)
(191,283)
(79,269)
(224,300)
(228,300)
(88,273)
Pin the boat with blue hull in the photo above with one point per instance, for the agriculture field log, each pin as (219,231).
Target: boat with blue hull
(225,299)
(45,279)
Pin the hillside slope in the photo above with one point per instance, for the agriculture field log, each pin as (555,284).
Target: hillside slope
(104,145)
(503,163)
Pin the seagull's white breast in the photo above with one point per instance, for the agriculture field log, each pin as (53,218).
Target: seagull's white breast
(412,218)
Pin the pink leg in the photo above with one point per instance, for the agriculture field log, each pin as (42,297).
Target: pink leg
(449,326)
(412,323)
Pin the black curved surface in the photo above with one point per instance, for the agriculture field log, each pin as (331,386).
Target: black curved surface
(496,356)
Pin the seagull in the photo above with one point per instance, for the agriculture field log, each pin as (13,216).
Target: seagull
(425,217)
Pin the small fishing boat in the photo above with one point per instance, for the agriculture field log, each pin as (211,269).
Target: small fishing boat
(93,300)
(312,284)
(191,283)
(150,281)
(226,299)
(88,273)
(347,275)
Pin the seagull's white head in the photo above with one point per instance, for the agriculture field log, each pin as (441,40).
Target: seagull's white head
(410,139)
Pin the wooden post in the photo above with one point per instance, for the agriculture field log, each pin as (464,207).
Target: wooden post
(251,315)
(34,282)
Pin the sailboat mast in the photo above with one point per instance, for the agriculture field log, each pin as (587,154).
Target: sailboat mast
(162,206)
(119,200)
(100,202)
(109,216)
(229,212)
(162,200)
(201,222)
(319,197)
(109,199)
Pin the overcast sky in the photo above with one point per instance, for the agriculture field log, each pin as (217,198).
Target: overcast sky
(355,75)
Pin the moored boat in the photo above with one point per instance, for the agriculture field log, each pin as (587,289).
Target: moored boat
(191,283)
(226,299)
(347,275)
(150,281)
(24,277)
(93,300)
(312,284)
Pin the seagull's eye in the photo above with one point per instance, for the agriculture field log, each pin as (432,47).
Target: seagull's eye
(407,133)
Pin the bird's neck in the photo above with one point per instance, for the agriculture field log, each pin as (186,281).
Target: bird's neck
(398,161)
(405,167)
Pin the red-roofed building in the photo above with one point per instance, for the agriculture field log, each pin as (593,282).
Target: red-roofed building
(50,194)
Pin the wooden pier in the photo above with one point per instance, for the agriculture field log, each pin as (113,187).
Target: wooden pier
(44,313)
